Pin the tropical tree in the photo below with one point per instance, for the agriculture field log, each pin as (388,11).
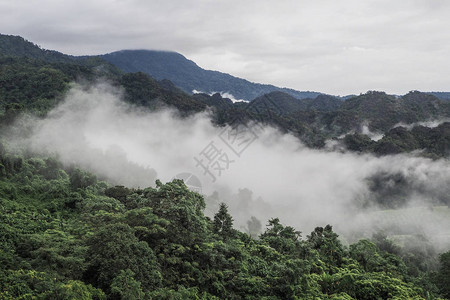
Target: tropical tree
(223,222)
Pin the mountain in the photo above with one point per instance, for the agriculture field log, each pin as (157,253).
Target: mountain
(215,100)
(324,103)
(383,111)
(433,142)
(35,80)
(376,112)
(282,103)
(37,85)
(441,95)
(141,89)
(185,74)
(277,102)
(17,46)
(189,76)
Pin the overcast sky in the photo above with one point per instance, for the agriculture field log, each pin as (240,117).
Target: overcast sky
(336,47)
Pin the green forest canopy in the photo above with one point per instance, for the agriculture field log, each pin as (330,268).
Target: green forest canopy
(66,235)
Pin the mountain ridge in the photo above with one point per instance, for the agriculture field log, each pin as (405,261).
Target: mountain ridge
(188,76)
(17,46)
(36,80)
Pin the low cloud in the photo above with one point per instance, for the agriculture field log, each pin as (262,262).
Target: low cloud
(374,136)
(429,124)
(262,173)
(222,94)
(361,46)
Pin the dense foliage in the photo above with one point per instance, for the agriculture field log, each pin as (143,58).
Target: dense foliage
(35,79)
(66,235)
(434,142)
(143,90)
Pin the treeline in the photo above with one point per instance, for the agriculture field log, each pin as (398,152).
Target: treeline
(434,142)
(34,86)
(66,235)
(35,80)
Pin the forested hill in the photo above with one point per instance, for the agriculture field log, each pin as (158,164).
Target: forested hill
(67,234)
(284,103)
(19,47)
(184,73)
(33,79)
(16,46)
(360,118)
(189,76)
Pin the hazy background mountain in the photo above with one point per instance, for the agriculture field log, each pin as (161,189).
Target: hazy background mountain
(59,113)
(441,95)
(188,76)
(34,79)
(184,73)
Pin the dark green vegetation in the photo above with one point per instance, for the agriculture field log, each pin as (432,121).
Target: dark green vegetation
(66,235)
(383,111)
(434,141)
(35,80)
(316,120)
(189,76)
(37,85)
(283,103)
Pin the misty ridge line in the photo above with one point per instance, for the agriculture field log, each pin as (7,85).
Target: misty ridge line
(375,136)
(275,176)
(428,123)
(222,94)
(104,90)
(111,94)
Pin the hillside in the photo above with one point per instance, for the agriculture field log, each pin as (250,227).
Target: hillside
(277,102)
(17,46)
(283,103)
(381,111)
(34,79)
(189,76)
(441,95)
(323,103)
(140,89)
(434,142)
(37,85)
(68,233)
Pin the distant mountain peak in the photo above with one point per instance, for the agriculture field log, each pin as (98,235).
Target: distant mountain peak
(188,76)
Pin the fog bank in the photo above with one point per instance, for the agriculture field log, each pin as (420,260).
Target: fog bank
(257,170)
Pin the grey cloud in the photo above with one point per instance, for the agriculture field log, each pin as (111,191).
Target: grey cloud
(335,47)
(304,187)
